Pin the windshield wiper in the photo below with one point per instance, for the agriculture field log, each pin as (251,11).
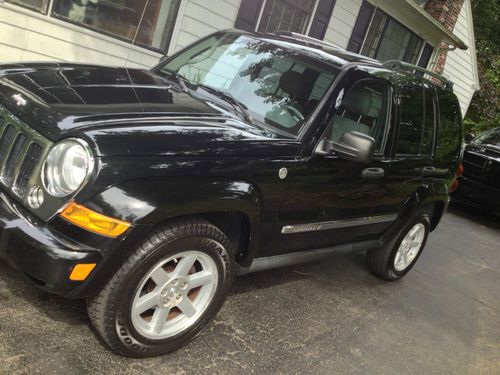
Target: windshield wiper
(181,80)
(229,98)
(178,78)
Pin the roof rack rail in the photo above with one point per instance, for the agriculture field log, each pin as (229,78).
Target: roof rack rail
(398,65)
(307,39)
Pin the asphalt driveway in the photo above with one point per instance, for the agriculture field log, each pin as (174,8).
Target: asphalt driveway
(319,318)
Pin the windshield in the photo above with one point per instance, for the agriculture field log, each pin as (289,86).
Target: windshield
(279,86)
(491,138)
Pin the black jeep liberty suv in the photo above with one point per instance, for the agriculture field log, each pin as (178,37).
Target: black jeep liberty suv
(146,192)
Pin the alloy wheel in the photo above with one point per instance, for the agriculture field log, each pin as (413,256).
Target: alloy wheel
(409,247)
(174,294)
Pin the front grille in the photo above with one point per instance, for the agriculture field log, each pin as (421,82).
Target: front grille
(27,167)
(492,174)
(484,168)
(21,151)
(14,158)
(7,138)
(474,164)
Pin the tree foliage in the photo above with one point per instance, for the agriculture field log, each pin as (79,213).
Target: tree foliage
(484,110)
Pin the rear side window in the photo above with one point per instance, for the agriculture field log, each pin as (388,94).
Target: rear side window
(417,121)
(449,139)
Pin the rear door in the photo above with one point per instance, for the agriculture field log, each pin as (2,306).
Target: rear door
(412,163)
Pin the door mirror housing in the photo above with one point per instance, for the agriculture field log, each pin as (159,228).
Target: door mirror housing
(353,146)
(469,137)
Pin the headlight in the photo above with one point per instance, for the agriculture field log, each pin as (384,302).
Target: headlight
(67,166)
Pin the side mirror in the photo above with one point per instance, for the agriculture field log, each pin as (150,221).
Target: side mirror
(352,146)
(469,137)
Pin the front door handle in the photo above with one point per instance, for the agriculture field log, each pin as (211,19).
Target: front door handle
(372,173)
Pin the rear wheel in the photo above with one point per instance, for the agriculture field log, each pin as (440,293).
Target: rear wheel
(397,257)
(167,291)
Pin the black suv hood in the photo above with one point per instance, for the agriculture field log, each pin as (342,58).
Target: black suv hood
(56,98)
(124,112)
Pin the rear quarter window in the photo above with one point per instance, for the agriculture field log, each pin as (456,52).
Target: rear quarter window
(449,134)
(416,122)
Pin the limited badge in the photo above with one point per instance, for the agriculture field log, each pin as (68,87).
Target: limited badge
(283,173)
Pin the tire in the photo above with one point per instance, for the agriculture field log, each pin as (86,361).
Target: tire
(158,278)
(386,263)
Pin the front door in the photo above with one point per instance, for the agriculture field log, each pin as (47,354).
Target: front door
(334,201)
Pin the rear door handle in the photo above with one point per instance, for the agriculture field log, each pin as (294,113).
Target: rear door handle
(372,173)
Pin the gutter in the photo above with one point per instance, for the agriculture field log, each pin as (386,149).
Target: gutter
(450,38)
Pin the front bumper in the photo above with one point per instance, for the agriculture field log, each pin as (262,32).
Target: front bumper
(44,255)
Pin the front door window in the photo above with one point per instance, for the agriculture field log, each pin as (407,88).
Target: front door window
(364,109)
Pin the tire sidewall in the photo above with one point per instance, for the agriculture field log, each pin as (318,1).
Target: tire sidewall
(131,340)
(420,218)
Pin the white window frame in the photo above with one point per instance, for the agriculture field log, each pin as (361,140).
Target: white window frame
(86,29)
(391,16)
(309,25)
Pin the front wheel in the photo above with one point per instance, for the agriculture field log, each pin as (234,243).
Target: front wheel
(167,291)
(399,255)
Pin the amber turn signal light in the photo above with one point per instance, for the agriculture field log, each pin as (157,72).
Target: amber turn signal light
(81,272)
(93,221)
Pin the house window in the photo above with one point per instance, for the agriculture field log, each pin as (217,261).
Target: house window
(147,23)
(387,39)
(38,5)
(286,15)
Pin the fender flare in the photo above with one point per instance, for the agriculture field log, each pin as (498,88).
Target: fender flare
(426,196)
(152,201)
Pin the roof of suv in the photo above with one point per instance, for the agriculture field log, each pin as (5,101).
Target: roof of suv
(340,57)
(320,49)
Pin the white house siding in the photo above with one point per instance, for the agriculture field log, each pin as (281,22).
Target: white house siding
(29,36)
(461,66)
(342,22)
(201,17)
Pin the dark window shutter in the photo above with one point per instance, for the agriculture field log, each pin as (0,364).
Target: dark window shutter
(426,56)
(248,15)
(361,27)
(322,18)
